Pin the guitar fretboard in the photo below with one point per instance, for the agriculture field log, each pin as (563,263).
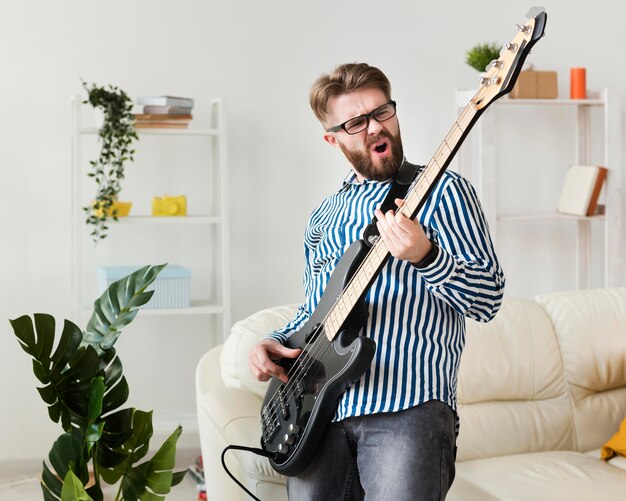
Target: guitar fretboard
(378,254)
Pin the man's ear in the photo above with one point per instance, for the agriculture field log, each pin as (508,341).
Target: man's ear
(330,138)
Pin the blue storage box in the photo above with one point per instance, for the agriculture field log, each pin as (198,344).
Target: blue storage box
(171,287)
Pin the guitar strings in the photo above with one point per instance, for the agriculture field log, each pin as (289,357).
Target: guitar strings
(300,368)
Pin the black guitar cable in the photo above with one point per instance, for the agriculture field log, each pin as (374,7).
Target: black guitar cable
(258,452)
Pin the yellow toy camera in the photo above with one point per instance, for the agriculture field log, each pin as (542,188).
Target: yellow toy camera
(169,206)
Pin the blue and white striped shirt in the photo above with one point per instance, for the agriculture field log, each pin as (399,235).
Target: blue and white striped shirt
(416,316)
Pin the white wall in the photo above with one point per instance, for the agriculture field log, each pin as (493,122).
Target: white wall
(261,57)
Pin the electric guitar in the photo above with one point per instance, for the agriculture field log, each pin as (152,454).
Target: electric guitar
(295,414)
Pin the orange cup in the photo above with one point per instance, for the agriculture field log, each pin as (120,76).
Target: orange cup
(577,83)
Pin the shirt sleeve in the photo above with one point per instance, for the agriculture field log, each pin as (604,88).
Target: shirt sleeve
(466,273)
(281,335)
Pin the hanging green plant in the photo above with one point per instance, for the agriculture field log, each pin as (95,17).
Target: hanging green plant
(479,56)
(116,135)
(83,387)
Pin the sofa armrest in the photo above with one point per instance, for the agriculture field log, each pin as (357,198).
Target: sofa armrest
(229,416)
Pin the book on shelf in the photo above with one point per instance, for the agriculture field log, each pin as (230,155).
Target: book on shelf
(160,117)
(154,120)
(167,110)
(182,102)
(160,125)
(581,190)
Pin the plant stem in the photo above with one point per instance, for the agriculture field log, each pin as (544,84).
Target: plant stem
(119,491)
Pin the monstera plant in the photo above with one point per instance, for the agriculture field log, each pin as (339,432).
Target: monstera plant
(84,388)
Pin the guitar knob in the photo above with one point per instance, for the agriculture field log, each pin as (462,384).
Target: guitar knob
(524,29)
(510,46)
(484,81)
(288,439)
(283,449)
(294,428)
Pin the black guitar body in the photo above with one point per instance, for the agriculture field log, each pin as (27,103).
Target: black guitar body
(295,414)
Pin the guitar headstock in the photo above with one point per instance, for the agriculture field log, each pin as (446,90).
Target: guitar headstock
(501,74)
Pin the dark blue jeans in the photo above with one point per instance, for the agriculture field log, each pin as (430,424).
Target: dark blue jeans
(406,455)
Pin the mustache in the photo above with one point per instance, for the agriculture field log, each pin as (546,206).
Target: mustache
(383,134)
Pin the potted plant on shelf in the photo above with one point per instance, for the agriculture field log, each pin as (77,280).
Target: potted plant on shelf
(479,56)
(116,134)
(84,388)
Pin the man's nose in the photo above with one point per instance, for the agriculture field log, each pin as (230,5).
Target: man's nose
(374,127)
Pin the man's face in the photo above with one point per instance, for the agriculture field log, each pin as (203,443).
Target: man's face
(375,153)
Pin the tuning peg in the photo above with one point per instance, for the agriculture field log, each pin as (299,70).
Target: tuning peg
(484,81)
(524,29)
(496,63)
(509,46)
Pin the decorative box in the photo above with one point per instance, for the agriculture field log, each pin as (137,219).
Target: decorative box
(533,84)
(171,287)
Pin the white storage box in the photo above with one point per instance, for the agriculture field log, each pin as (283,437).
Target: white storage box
(171,287)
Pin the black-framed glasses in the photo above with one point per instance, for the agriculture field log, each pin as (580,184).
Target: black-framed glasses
(362,122)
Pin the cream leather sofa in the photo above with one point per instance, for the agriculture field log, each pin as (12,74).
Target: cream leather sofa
(541,388)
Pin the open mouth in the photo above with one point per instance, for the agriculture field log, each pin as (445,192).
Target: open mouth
(381,147)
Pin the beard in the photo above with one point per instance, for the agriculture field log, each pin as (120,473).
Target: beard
(388,166)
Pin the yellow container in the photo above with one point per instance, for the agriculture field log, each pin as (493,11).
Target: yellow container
(123,209)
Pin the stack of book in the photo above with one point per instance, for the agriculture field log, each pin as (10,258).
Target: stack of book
(164,112)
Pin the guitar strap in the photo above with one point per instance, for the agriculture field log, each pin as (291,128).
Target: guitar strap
(406,174)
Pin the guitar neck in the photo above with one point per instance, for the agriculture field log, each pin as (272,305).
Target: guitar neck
(413,202)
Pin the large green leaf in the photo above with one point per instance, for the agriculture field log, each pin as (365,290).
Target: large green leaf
(67,454)
(67,373)
(117,307)
(114,382)
(149,480)
(73,489)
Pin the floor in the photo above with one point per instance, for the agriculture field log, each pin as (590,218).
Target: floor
(19,481)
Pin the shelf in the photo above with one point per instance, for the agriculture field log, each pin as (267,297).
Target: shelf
(481,166)
(170,220)
(548,216)
(213,221)
(465,96)
(551,102)
(196,308)
(163,131)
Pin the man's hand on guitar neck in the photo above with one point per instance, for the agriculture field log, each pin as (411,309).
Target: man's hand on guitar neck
(260,359)
(404,238)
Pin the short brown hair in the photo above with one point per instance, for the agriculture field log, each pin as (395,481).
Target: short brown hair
(345,78)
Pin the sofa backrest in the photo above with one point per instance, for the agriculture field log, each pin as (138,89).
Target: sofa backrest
(591,331)
(244,335)
(547,373)
(511,391)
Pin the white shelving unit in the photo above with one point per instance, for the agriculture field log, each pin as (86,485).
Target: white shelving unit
(213,299)
(484,174)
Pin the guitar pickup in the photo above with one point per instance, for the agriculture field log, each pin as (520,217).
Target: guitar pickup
(282,406)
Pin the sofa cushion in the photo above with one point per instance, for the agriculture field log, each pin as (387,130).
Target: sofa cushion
(541,476)
(511,391)
(591,330)
(244,335)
